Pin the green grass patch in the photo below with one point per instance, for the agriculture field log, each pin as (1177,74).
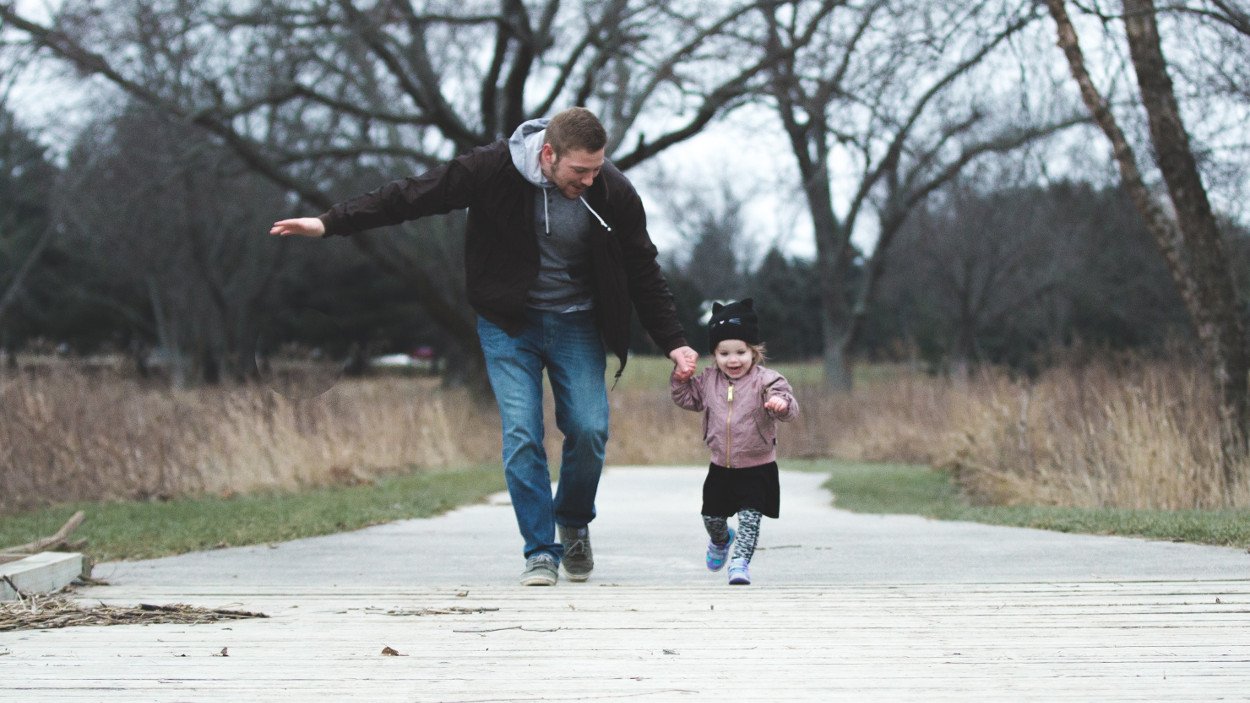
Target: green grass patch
(920,490)
(141,530)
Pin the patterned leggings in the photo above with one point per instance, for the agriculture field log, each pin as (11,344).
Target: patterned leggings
(748,531)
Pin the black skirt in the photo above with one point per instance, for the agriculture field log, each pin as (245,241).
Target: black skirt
(727,491)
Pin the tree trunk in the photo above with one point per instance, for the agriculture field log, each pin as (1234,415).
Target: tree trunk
(839,372)
(14,286)
(1218,317)
(1191,243)
(834,316)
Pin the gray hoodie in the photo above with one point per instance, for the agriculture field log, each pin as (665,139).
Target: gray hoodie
(525,144)
(562,227)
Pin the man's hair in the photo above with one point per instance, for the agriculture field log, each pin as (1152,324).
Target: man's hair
(575,128)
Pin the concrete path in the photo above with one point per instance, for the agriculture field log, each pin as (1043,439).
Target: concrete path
(858,607)
(649,532)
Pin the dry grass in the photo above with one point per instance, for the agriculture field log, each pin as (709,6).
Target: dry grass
(1114,434)
(1127,435)
(1132,435)
(69,436)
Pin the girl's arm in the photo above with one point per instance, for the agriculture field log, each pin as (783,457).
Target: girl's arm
(779,400)
(686,393)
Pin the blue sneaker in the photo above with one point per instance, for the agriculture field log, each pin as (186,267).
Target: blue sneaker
(718,553)
(739,574)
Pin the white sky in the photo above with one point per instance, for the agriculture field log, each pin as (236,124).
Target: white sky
(750,151)
(754,167)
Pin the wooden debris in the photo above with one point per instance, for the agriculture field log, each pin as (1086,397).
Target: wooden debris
(52,612)
(59,539)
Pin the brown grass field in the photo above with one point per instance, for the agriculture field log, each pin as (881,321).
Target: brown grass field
(1129,434)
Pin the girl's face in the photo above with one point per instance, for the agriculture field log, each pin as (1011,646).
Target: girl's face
(733,357)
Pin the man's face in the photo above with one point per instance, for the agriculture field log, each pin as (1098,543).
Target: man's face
(573,171)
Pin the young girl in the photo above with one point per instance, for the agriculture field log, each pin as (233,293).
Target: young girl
(740,401)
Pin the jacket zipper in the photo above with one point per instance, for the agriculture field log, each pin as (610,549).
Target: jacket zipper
(729,426)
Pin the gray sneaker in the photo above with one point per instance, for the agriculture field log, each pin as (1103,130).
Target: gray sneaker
(578,560)
(540,570)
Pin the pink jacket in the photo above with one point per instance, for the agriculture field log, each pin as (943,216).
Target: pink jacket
(736,426)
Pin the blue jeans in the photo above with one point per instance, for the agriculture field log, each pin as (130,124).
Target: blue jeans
(569,347)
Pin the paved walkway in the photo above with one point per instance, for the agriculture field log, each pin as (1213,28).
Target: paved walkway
(844,605)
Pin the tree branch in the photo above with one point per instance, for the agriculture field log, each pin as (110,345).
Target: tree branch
(1166,234)
(425,89)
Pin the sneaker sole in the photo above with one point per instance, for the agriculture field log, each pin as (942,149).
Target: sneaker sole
(548,579)
(579,578)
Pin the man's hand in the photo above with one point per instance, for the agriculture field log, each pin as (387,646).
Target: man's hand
(684,362)
(776,404)
(303,226)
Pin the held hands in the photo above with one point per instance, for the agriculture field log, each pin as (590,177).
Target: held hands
(776,404)
(303,226)
(684,362)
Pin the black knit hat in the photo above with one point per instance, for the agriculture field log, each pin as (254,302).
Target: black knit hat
(733,321)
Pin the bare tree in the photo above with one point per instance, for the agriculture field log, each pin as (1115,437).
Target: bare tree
(166,212)
(26,225)
(709,220)
(1188,236)
(1235,17)
(310,92)
(1002,270)
(1207,43)
(886,96)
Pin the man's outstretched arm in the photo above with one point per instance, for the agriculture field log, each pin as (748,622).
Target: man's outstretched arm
(302,226)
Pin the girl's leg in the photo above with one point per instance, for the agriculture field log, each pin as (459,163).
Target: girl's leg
(748,533)
(717,528)
(718,546)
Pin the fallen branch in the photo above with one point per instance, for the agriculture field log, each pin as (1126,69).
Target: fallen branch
(13,586)
(34,613)
(59,539)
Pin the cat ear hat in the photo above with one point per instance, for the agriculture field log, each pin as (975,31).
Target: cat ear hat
(736,320)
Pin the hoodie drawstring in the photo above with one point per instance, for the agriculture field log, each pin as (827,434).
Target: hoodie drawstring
(592,211)
(547,214)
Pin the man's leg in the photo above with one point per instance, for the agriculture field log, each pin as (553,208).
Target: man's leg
(514,365)
(576,364)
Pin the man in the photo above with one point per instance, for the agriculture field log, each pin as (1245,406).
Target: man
(556,256)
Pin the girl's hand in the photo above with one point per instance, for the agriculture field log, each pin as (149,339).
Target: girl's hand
(776,404)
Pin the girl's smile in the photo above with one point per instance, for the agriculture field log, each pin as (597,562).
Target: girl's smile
(734,358)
